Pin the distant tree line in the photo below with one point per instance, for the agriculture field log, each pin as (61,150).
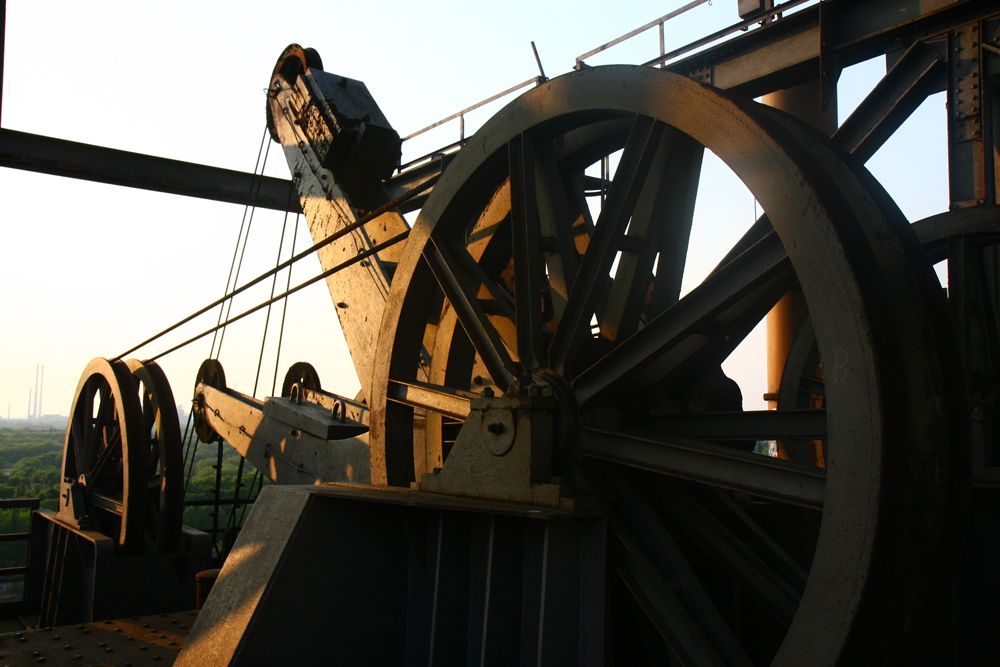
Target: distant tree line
(31,463)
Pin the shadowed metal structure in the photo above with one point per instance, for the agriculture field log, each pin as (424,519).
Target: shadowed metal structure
(546,463)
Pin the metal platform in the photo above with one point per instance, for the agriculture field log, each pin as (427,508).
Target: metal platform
(140,640)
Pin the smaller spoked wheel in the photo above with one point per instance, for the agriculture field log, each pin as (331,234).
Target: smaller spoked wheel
(106,455)
(211,374)
(303,374)
(164,501)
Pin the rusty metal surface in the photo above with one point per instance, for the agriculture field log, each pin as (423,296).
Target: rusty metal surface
(105,457)
(510,219)
(140,640)
(623,384)
(282,451)
(359,290)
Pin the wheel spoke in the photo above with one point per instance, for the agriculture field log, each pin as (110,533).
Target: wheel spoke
(758,231)
(751,425)
(480,330)
(650,590)
(582,237)
(107,416)
(729,552)
(528,268)
(642,144)
(432,398)
(98,435)
(497,303)
(109,451)
(560,225)
(708,463)
(652,593)
(700,329)
(639,517)
(86,431)
(661,223)
(772,552)
(148,410)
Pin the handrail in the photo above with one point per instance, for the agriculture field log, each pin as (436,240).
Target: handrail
(15,503)
(21,570)
(461,114)
(736,27)
(664,57)
(629,35)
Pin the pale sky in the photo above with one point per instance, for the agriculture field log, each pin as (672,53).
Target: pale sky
(89,270)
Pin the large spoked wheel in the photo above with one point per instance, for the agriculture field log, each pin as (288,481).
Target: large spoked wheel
(508,277)
(164,472)
(106,452)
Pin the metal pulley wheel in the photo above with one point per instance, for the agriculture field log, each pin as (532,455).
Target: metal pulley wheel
(105,458)
(210,373)
(300,373)
(509,279)
(165,470)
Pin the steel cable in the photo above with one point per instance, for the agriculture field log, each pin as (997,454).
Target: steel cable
(260,363)
(343,265)
(267,320)
(191,450)
(236,278)
(284,310)
(246,208)
(305,253)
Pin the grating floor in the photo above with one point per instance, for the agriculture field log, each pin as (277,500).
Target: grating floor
(148,640)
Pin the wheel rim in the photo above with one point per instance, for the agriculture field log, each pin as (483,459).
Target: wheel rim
(105,449)
(164,472)
(837,252)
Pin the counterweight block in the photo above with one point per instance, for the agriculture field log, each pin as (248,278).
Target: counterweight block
(349,133)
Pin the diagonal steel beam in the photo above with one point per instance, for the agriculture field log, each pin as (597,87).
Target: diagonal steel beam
(918,73)
(60,157)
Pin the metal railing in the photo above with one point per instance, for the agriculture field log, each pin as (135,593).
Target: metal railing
(665,57)
(460,115)
(629,35)
(10,602)
(742,26)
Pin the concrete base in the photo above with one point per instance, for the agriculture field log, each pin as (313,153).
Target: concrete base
(357,575)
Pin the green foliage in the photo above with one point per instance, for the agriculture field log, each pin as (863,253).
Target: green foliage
(30,467)
(202,486)
(40,471)
(17,444)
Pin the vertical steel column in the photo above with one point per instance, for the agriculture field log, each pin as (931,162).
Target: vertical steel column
(785,319)
(972,181)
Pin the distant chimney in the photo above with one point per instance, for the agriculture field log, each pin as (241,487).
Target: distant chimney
(35,408)
(41,393)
